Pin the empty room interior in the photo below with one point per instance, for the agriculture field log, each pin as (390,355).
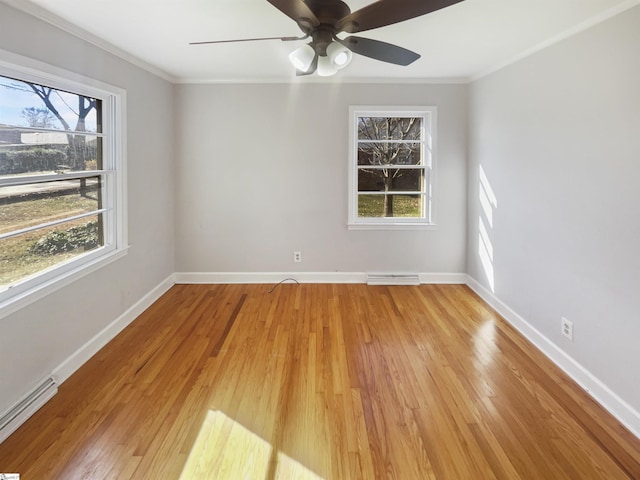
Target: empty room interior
(282,239)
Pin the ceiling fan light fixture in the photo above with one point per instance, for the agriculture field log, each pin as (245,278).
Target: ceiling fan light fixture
(326,67)
(302,57)
(339,55)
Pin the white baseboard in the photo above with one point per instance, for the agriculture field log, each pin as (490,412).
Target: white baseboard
(626,414)
(443,278)
(29,404)
(269,277)
(602,394)
(89,349)
(303,277)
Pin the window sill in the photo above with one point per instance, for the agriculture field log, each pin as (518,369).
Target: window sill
(391,226)
(15,303)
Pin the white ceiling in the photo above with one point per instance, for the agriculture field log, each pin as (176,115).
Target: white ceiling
(460,42)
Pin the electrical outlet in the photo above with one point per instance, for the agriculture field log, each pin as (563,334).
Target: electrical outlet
(567,328)
(297,257)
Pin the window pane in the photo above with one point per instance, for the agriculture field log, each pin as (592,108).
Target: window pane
(45,153)
(376,206)
(389,128)
(25,206)
(31,252)
(391,180)
(390,166)
(389,153)
(25,104)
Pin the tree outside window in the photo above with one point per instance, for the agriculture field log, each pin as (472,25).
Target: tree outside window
(60,179)
(391,166)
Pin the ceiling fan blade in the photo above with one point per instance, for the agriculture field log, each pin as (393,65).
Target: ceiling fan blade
(385,52)
(298,11)
(284,39)
(312,68)
(388,12)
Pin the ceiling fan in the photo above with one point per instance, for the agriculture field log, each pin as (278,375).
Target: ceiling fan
(323,20)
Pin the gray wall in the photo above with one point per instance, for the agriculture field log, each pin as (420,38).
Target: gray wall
(262,172)
(558,135)
(39,337)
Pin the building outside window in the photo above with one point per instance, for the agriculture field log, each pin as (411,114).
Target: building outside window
(61,179)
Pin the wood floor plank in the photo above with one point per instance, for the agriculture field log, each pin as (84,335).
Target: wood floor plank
(321,382)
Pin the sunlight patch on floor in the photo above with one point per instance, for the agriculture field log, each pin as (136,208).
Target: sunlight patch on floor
(289,468)
(484,343)
(224,449)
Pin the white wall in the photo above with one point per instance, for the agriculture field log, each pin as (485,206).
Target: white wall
(262,172)
(558,136)
(38,338)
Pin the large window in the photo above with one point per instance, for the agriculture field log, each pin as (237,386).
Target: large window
(61,168)
(391,169)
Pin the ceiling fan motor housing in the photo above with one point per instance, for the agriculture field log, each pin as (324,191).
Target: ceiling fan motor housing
(322,36)
(328,14)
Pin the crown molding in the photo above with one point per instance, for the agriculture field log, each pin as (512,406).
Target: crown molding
(326,81)
(59,22)
(589,23)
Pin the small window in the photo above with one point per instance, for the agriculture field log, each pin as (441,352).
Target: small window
(391,173)
(60,180)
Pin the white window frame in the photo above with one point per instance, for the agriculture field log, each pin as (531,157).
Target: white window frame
(113,175)
(429,115)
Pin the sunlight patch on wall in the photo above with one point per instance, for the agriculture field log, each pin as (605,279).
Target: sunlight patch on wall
(488,203)
(487,246)
(488,199)
(485,250)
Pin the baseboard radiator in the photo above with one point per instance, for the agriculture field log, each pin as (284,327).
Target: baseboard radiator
(16,416)
(393,279)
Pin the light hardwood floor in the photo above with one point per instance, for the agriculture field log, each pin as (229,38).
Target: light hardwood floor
(320,381)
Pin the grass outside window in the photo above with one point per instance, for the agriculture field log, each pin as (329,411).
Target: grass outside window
(372,206)
(19,255)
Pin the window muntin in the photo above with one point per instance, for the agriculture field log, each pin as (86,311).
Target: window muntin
(61,199)
(36,251)
(29,152)
(391,166)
